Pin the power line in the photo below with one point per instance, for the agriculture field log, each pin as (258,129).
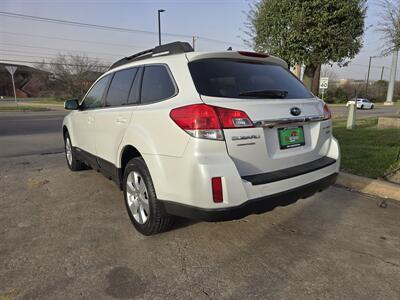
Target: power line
(58,49)
(366,66)
(53,55)
(44,57)
(48,63)
(72,40)
(112,28)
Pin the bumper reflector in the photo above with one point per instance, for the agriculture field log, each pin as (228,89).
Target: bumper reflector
(216,183)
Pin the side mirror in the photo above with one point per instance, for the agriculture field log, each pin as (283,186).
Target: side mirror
(72,104)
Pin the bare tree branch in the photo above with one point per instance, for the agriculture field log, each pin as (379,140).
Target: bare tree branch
(389,26)
(72,74)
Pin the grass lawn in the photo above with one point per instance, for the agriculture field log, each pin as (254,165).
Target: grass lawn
(22,108)
(367,150)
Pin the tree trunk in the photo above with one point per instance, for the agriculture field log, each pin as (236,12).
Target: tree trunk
(297,70)
(308,76)
(315,82)
(311,77)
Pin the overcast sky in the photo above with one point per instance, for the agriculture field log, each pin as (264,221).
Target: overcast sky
(219,20)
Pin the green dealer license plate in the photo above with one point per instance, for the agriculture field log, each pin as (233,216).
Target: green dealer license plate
(291,137)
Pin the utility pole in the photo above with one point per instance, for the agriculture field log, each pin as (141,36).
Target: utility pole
(369,70)
(383,69)
(159,25)
(390,92)
(194,38)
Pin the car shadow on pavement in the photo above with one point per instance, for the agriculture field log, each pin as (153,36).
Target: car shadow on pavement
(180,223)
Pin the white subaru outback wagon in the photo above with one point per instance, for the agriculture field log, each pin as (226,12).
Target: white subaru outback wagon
(212,136)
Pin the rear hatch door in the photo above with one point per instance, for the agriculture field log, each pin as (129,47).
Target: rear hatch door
(288,131)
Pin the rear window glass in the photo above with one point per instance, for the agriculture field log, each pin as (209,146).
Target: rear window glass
(244,79)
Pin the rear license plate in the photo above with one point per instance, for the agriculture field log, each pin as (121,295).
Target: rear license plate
(291,137)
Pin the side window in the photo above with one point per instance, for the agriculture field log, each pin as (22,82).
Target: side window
(134,94)
(156,84)
(120,86)
(94,98)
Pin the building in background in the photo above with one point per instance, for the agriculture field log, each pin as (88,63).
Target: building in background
(29,82)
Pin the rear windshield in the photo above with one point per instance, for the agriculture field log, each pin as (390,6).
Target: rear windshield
(245,79)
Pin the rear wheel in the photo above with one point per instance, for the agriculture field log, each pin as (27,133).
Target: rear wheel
(141,202)
(372,106)
(72,162)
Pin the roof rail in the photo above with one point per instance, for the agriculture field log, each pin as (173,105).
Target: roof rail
(167,49)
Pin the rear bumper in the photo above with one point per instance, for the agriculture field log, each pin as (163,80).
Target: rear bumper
(253,206)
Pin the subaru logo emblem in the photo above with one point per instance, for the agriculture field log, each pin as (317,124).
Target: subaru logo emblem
(295,111)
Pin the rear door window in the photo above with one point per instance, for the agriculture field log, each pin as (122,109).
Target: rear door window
(157,84)
(134,95)
(245,79)
(120,87)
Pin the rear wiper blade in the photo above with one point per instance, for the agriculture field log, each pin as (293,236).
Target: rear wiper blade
(280,94)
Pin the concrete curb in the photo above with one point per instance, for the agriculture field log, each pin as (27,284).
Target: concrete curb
(374,187)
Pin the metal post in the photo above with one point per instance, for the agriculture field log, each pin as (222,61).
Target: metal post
(351,117)
(11,70)
(159,25)
(194,42)
(390,92)
(369,69)
(383,69)
(159,29)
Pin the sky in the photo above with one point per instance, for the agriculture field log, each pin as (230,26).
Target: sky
(218,24)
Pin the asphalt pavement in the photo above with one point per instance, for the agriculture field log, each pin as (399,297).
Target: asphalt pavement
(30,133)
(67,235)
(379,111)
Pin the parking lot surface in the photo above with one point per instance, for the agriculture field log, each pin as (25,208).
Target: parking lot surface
(67,235)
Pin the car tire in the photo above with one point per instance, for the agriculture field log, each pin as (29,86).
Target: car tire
(144,210)
(372,106)
(72,162)
(362,107)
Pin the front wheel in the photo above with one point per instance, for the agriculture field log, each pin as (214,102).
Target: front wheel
(362,107)
(72,162)
(140,199)
(372,107)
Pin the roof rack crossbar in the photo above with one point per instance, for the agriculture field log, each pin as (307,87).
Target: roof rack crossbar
(168,49)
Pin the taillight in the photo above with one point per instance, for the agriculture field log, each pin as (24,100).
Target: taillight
(206,121)
(231,118)
(216,184)
(327,112)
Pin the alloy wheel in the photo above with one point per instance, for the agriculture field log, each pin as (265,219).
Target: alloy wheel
(68,151)
(137,197)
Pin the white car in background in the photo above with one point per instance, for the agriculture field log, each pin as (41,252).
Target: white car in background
(362,103)
(212,136)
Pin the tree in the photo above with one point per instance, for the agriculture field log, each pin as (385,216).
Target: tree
(72,75)
(389,25)
(312,32)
